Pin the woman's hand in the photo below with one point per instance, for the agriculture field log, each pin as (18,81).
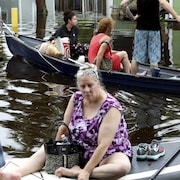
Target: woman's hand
(53,41)
(178,18)
(84,175)
(136,17)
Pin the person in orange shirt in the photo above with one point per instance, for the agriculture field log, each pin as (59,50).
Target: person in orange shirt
(100,49)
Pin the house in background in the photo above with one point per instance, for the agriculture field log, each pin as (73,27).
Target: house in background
(86,7)
(174,3)
(27,9)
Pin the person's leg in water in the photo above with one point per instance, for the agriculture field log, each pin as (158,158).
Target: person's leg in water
(32,164)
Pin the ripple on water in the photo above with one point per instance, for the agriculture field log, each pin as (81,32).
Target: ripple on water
(4,103)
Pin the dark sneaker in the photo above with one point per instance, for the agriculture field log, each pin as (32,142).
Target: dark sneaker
(142,151)
(155,151)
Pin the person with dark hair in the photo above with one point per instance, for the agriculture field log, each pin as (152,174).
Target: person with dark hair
(70,30)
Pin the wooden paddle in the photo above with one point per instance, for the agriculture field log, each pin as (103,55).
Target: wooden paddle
(165,164)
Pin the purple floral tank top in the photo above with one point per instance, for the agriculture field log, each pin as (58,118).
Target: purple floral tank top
(85,131)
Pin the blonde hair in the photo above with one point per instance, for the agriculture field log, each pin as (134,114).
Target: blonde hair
(104,24)
(88,69)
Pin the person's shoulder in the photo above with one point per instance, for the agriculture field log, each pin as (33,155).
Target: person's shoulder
(62,27)
(76,28)
(105,38)
(102,34)
(77,94)
(112,99)
(110,96)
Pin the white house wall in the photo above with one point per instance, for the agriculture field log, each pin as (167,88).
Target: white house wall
(109,4)
(26,10)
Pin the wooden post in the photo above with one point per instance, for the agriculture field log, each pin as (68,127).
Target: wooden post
(14,19)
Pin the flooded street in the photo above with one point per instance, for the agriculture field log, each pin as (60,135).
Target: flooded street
(32,102)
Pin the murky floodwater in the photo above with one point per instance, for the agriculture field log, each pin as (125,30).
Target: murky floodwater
(31,102)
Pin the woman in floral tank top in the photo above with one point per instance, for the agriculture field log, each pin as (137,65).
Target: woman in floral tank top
(85,131)
(97,123)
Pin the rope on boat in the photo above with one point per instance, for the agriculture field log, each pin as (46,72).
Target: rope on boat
(74,61)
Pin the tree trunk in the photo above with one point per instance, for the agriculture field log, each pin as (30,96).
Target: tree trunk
(41,7)
(41,18)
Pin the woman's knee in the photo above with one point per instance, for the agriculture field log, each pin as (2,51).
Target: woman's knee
(125,167)
(121,169)
(122,164)
(123,54)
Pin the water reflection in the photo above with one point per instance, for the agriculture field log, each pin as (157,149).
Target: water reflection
(28,111)
(59,90)
(149,115)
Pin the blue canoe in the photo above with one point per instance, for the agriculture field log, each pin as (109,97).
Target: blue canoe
(24,46)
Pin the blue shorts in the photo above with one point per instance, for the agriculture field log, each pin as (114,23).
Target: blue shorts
(147,44)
